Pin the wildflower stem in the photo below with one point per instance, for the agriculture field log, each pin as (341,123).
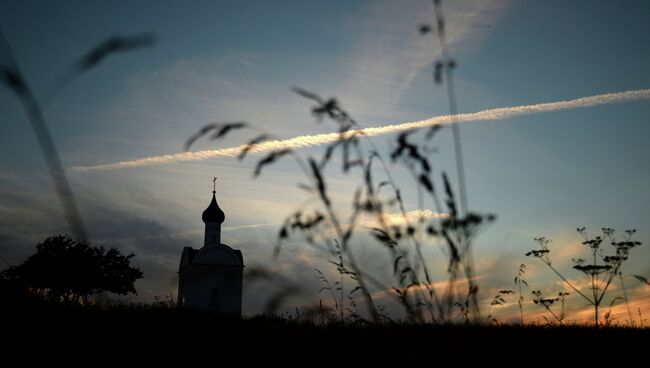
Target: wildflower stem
(569,283)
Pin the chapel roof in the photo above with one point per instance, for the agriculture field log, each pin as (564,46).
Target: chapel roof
(213,213)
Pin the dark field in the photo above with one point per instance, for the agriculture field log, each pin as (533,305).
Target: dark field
(35,332)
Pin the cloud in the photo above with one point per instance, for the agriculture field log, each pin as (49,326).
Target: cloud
(389,54)
(320,139)
(152,229)
(576,310)
(380,56)
(29,216)
(397,219)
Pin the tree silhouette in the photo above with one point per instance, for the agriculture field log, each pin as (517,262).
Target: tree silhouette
(67,270)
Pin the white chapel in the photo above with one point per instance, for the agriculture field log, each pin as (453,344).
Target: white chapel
(210,278)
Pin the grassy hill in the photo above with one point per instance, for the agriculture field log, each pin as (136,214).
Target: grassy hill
(145,335)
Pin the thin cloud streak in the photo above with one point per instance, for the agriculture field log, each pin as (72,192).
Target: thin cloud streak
(319,139)
(398,219)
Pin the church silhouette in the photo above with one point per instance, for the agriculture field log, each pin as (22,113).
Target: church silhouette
(210,278)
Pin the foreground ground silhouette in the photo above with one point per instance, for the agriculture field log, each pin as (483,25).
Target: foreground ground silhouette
(38,332)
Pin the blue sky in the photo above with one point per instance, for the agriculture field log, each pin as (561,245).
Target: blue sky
(543,175)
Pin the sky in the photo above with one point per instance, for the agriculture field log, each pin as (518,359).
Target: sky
(542,174)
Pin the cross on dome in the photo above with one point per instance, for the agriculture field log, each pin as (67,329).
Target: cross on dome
(213,214)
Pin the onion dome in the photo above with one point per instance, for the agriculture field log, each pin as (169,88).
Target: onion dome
(213,213)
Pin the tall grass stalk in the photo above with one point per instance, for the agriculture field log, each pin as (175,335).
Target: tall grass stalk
(13,78)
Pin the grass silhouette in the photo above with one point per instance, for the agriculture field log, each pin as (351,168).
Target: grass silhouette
(153,335)
(11,76)
(600,273)
(356,330)
(334,233)
(413,284)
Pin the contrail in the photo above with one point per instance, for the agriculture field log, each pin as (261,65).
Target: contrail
(318,139)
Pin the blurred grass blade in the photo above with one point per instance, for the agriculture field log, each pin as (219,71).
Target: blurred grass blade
(111,45)
(252,143)
(220,131)
(269,159)
(92,58)
(12,77)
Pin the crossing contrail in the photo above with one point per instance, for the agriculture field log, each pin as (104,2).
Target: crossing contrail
(319,139)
